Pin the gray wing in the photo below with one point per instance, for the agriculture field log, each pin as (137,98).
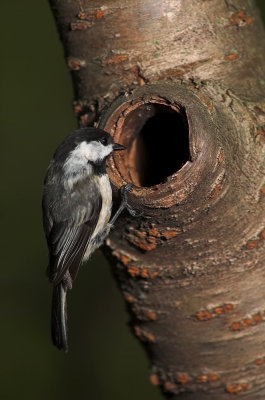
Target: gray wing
(68,236)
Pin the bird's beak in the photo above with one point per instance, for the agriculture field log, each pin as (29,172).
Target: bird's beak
(117,146)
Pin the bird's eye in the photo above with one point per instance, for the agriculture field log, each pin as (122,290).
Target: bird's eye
(104,141)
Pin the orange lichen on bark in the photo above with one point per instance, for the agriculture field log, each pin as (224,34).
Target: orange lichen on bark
(213,377)
(247,322)
(169,386)
(153,232)
(80,25)
(77,107)
(125,260)
(202,378)
(240,19)
(231,57)
(140,234)
(236,388)
(150,338)
(129,298)
(204,100)
(94,14)
(228,307)
(144,273)
(143,335)
(257,318)
(169,234)
(143,246)
(81,15)
(236,326)
(182,378)
(248,20)
(220,158)
(203,315)
(252,244)
(151,239)
(137,330)
(153,274)
(147,247)
(115,59)
(218,310)
(214,312)
(151,315)
(263,191)
(259,361)
(143,315)
(99,14)
(154,379)
(133,270)
(216,190)
(260,133)
(223,309)
(75,65)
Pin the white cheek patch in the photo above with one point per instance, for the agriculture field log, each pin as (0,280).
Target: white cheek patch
(78,161)
(77,164)
(96,151)
(93,151)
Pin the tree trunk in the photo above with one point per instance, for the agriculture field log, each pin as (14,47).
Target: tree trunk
(181,84)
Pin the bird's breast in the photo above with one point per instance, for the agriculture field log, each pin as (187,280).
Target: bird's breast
(105,213)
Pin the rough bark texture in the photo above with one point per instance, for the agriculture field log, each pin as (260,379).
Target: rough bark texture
(181,83)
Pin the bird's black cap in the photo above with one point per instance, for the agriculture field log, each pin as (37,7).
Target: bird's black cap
(76,137)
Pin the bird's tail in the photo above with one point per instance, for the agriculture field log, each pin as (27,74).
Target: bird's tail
(59,317)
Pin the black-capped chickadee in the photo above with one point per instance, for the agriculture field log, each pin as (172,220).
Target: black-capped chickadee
(77,203)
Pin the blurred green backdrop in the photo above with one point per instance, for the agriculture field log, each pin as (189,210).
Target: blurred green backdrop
(105,361)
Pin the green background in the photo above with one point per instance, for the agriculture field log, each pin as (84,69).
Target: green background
(105,361)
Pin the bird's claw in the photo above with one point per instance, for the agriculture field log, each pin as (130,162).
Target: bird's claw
(132,212)
(124,189)
(124,204)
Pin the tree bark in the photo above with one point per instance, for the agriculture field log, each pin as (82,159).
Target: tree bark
(181,84)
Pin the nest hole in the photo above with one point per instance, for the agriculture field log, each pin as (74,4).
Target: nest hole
(157,142)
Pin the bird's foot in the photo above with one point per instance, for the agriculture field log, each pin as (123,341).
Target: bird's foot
(124,204)
(124,190)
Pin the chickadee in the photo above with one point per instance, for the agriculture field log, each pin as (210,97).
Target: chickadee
(77,202)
